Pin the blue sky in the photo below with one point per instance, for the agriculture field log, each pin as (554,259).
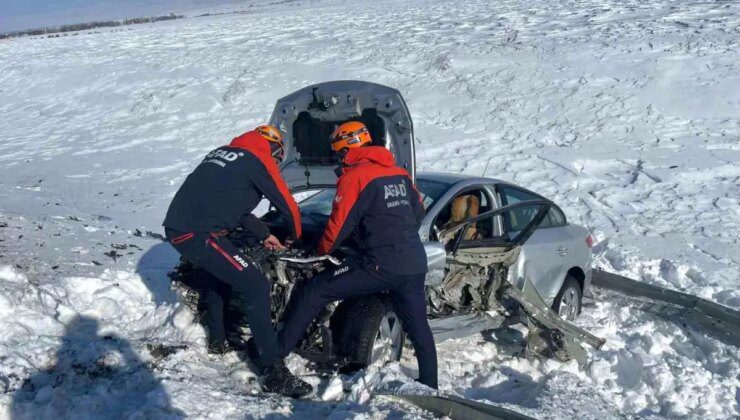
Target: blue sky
(26,14)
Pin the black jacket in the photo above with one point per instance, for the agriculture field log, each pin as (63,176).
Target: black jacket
(377,201)
(224,189)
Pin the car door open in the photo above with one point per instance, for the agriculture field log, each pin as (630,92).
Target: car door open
(460,239)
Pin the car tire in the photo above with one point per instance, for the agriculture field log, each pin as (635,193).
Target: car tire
(367,332)
(569,300)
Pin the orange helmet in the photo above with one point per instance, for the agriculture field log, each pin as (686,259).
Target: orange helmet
(275,137)
(349,135)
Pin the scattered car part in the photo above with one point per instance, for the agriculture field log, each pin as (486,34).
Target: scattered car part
(460,408)
(715,319)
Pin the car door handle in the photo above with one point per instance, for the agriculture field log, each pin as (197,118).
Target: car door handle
(562,251)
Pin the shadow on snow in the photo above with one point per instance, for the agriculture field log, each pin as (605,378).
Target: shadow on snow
(94,376)
(153,267)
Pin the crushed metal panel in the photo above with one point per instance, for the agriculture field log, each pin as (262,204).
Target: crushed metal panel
(718,320)
(487,256)
(460,326)
(543,320)
(459,408)
(544,314)
(461,289)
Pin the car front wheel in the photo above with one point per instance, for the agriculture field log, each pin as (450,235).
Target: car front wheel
(569,299)
(367,332)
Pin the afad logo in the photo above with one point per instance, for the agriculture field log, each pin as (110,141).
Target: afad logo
(341,271)
(395,190)
(224,154)
(241,261)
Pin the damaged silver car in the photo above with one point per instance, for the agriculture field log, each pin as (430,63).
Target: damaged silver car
(497,253)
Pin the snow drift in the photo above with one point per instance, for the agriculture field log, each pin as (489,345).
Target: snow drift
(624,113)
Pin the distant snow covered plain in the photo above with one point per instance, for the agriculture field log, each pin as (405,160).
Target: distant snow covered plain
(625,113)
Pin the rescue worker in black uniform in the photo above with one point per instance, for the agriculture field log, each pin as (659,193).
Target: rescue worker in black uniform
(377,201)
(217,198)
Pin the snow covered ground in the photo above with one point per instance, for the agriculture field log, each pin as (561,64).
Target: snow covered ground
(627,114)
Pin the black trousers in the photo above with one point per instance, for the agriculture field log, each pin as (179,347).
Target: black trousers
(216,296)
(231,270)
(406,293)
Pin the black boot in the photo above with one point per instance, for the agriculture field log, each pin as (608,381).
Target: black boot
(277,378)
(220,348)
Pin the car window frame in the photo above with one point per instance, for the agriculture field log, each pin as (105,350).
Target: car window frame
(553,225)
(499,195)
(519,239)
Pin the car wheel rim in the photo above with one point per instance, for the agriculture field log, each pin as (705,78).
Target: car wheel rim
(388,341)
(568,308)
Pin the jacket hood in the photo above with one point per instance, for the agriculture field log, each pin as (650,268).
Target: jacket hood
(371,154)
(254,142)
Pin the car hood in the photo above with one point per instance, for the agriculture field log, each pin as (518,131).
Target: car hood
(308,116)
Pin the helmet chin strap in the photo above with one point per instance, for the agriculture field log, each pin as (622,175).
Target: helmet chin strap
(277,151)
(339,170)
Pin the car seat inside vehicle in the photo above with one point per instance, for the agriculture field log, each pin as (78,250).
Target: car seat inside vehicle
(311,136)
(463,207)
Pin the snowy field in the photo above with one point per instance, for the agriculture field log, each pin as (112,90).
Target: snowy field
(627,114)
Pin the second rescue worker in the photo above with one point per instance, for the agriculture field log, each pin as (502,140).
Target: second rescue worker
(215,199)
(376,201)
